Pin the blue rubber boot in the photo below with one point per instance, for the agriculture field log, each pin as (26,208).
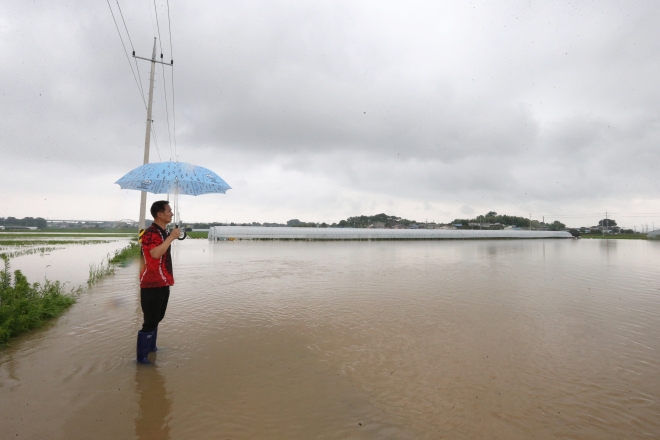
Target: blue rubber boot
(143,346)
(153,341)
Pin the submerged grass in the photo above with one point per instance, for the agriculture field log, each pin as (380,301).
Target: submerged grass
(29,251)
(18,242)
(107,266)
(98,271)
(89,231)
(126,254)
(5,234)
(24,306)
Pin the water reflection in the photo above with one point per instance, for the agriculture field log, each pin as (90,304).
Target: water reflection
(608,250)
(607,245)
(154,404)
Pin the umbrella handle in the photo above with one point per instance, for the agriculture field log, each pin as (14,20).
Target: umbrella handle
(182,235)
(177,216)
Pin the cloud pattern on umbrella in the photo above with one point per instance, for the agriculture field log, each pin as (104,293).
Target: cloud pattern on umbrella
(174,178)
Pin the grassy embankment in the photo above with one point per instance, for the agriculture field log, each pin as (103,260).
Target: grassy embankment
(616,236)
(25,306)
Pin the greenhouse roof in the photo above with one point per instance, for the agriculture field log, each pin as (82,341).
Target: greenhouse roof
(289,233)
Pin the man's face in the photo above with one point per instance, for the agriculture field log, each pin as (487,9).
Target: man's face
(166,215)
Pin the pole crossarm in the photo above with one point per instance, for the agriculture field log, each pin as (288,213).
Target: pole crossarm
(155,61)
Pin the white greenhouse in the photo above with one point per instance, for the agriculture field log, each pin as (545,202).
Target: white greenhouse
(289,233)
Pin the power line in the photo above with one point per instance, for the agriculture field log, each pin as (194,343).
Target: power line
(174,115)
(139,81)
(167,111)
(137,68)
(125,27)
(150,16)
(139,77)
(153,131)
(169,29)
(158,27)
(126,53)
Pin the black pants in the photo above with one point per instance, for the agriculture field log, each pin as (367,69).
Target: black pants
(154,304)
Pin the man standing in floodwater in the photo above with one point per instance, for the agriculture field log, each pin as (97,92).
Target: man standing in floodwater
(156,277)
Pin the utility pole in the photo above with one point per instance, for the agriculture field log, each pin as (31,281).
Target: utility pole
(147,137)
(530,222)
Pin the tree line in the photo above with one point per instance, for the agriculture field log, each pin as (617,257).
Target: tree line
(38,222)
(359,221)
(509,220)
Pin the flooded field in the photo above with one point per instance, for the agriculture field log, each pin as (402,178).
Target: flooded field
(521,339)
(63,257)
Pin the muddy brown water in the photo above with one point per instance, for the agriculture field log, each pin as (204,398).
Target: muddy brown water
(540,339)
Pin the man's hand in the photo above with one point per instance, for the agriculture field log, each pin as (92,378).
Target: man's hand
(160,250)
(174,234)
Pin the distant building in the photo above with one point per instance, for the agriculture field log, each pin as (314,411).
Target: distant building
(653,235)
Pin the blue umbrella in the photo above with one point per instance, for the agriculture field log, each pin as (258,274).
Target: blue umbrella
(175,178)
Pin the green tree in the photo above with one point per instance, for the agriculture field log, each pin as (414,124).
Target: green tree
(556,226)
(607,222)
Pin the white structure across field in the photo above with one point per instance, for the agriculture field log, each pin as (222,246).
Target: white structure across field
(266,233)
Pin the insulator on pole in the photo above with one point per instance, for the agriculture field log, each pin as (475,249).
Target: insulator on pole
(172,62)
(133,53)
(161,56)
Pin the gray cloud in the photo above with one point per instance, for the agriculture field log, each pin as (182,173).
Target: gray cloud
(329,109)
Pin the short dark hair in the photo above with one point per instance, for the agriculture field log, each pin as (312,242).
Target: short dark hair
(157,207)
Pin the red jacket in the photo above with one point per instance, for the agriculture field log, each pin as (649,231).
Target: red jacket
(157,271)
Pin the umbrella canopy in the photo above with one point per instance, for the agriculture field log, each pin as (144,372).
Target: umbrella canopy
(173,178)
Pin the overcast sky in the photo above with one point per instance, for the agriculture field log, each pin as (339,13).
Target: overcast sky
(323,110)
